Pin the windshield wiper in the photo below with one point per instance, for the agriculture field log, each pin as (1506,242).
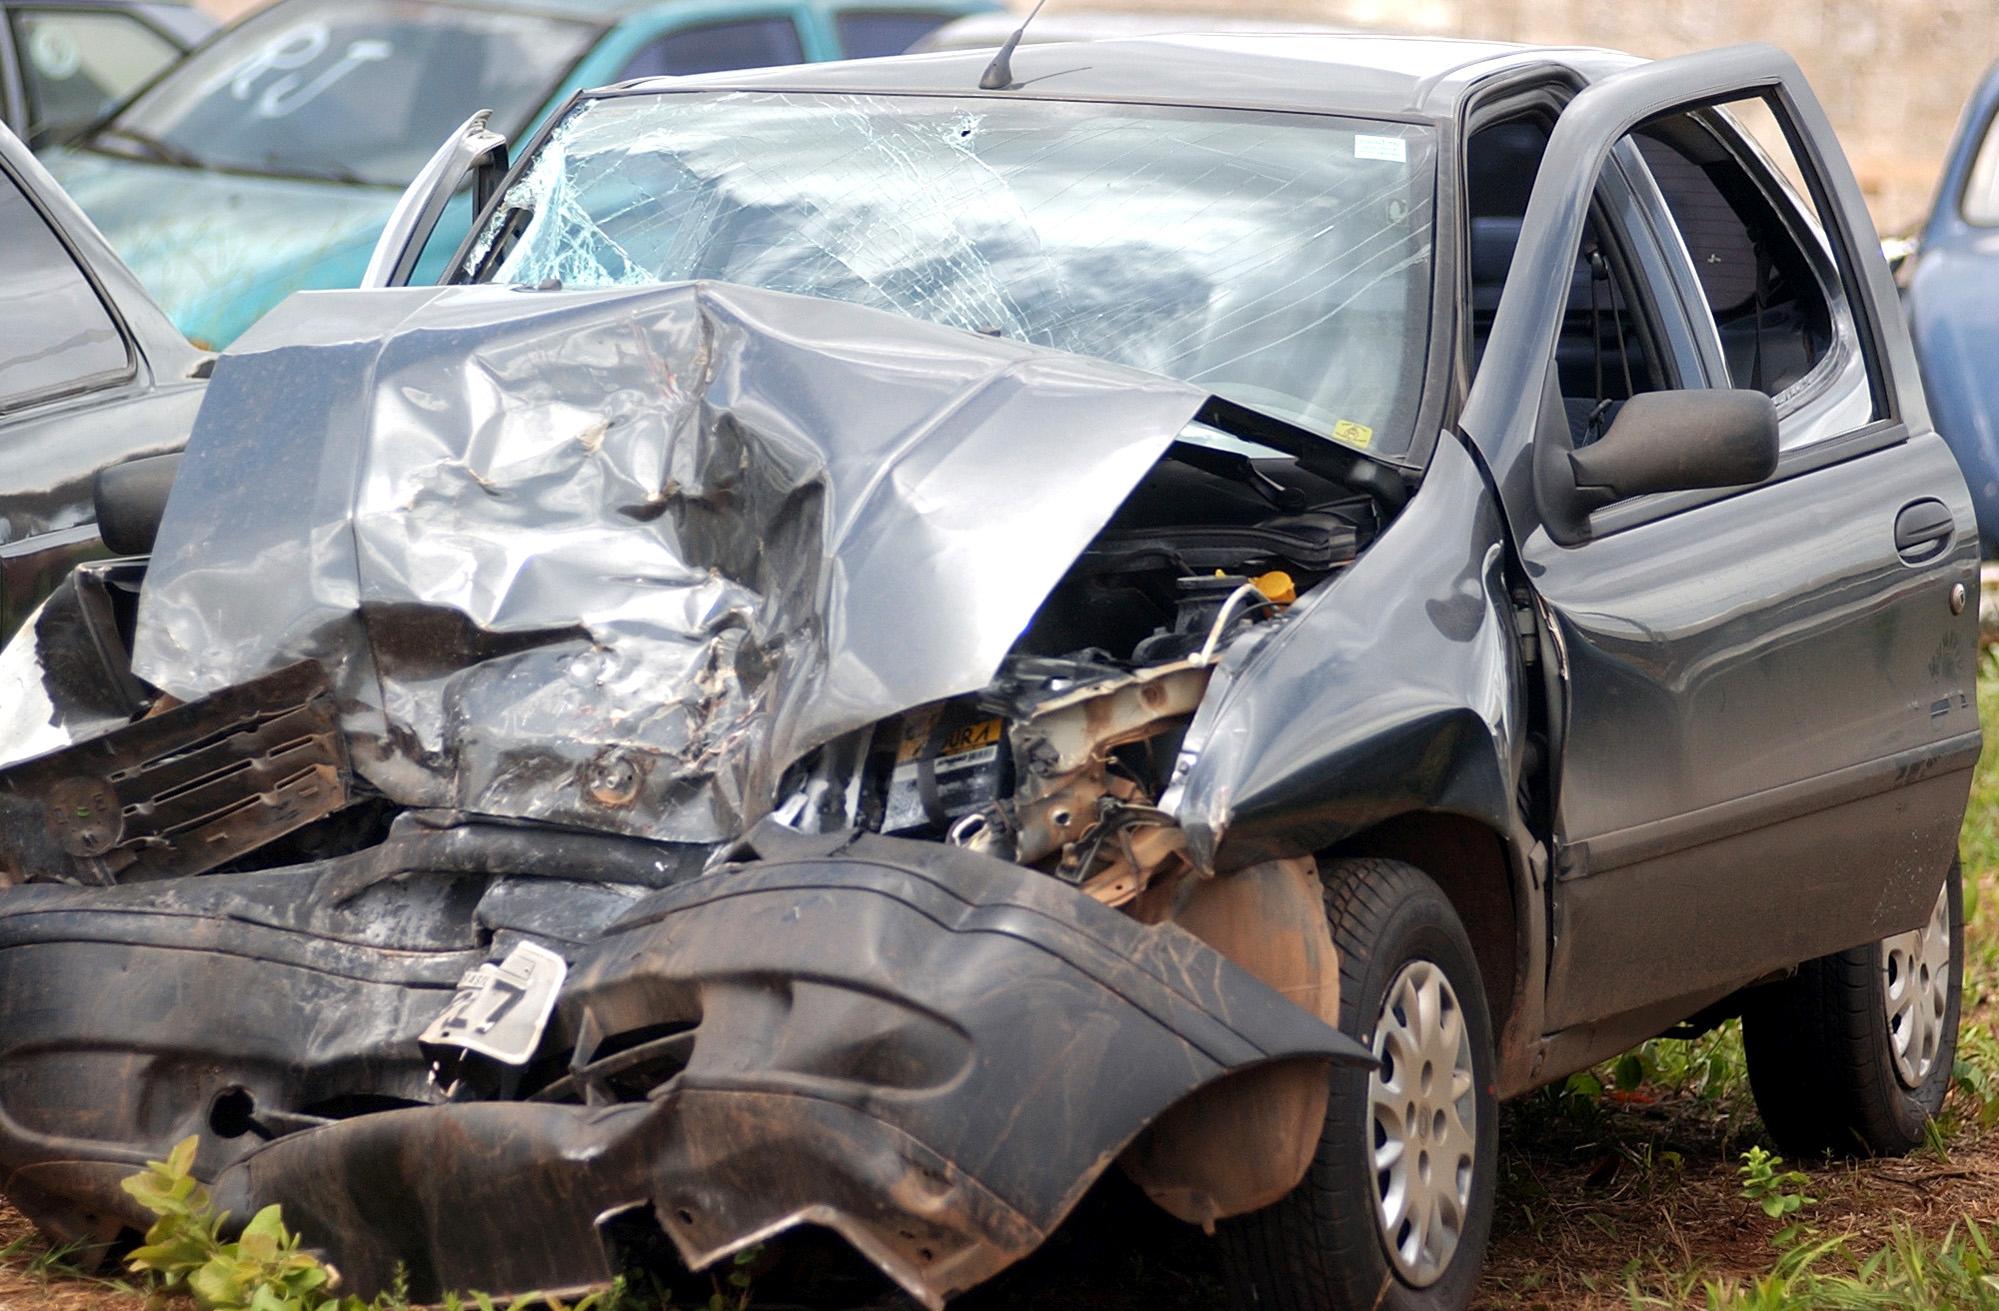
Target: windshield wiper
(277,164)
(154,148)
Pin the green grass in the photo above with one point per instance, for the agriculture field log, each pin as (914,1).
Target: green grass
(1908,1273)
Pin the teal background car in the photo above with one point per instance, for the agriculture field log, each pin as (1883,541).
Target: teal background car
(268,161)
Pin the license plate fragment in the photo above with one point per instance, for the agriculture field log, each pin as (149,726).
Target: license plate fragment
(501,1008)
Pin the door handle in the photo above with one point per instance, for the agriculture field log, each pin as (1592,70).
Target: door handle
(1923,531)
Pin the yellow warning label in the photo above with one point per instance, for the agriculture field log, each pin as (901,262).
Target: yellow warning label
(1353,434)
(969,737)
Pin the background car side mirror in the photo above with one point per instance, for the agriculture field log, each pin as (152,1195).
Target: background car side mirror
(131,500)
(1667,441)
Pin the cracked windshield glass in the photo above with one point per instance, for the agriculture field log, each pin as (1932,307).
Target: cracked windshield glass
(350,90)
(1282,261)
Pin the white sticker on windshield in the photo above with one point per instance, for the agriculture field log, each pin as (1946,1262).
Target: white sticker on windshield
(1393,149)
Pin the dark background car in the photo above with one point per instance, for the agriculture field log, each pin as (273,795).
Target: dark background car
(65,63)
(91,375)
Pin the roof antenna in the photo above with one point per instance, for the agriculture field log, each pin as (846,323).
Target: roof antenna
(999,74)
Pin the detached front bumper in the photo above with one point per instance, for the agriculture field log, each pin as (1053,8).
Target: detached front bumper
(930,1052)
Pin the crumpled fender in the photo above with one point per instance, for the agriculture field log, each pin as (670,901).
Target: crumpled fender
(930,1052)
(1395,688)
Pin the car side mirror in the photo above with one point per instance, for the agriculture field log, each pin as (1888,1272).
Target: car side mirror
(473,148)
(1666,441)
(131,501)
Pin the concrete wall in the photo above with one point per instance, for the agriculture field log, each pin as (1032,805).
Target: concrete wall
(1893,73)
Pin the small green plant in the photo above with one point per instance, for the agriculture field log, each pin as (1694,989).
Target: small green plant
(1977,1073)
(1779,1192)
(732,1290)
(265,1268)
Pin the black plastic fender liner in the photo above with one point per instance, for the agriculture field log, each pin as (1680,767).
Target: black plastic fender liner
(929,1052)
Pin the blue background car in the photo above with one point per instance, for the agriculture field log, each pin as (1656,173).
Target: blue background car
(65,63)
(268,161)
(1952,281)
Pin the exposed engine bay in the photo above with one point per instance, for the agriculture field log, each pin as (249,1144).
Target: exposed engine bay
(1059,763)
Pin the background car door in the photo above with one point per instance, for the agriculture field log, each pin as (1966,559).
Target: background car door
(74,397)
(1764,695)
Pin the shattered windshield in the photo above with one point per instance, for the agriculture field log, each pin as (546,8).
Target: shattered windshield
(352,90)
(1279,260)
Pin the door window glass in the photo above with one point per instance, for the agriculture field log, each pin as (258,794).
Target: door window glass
(718,48)
(55,334)
(1764,267)
(869,34)
(1605,347)
(76,65)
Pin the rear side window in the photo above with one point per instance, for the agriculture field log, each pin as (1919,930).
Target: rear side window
(76,65)
(1980,203)
(870,34)
(1771,308)
(718,48)
(55,334)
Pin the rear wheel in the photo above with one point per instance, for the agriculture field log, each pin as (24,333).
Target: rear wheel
(1854,1052)
(1396,1207)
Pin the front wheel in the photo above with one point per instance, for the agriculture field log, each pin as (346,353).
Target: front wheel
(1396,1207)
(1853,1054)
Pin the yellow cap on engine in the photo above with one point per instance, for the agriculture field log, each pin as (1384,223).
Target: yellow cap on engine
(1276,586)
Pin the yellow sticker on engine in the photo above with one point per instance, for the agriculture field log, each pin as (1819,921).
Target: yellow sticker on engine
(1353,434)
(959,741)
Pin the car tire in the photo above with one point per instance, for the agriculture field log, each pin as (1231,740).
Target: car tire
(1853,1053)
(1325,1246)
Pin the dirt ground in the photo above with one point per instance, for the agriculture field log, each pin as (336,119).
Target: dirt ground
(1583,1218)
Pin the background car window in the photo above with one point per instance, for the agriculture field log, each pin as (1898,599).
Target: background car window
(717,48)
(869,34)
(352,90)
(55,334)
(1980,204)
(77,65)
(1771,309)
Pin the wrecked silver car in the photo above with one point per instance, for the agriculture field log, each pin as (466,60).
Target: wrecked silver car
(861,681)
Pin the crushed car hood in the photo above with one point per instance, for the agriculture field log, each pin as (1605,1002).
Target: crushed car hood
(614,559)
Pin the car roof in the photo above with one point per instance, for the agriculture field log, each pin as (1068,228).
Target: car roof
(986,31)
(1314,72)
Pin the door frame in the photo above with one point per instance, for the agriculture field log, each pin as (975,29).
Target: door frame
(1503,408)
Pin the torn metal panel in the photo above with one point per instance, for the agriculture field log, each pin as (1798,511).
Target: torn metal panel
(1305,743)
(615,559)
(180,792)
(65,676)
(869,1052)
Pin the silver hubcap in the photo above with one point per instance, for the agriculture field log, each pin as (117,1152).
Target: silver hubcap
(1915,990)
(1424,1099)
